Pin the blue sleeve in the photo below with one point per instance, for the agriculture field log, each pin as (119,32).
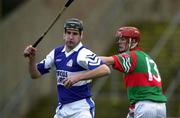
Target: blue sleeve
(46,64)
(93,61)
(41,68)
(87,59)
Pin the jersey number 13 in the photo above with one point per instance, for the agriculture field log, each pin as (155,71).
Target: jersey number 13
(152,68)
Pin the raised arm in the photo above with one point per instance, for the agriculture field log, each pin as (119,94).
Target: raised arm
(30,53)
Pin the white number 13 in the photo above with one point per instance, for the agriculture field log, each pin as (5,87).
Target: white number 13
(151,65)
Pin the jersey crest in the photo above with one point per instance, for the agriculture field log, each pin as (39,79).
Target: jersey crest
(125,55)
(69,63)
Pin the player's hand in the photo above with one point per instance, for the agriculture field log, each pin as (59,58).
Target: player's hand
(71,80)
(30,51)
(67,83)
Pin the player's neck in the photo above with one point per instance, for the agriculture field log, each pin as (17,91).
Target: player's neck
(68,49)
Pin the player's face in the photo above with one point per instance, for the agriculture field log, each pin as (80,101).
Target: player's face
(72,38)
(122,44)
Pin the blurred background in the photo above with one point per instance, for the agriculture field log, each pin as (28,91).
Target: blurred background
(22,22)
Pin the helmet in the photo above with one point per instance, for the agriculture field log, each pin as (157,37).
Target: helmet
(129,32)
(74,24)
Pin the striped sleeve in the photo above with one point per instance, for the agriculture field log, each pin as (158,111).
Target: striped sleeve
(88,60)
(125,62)
(46,64)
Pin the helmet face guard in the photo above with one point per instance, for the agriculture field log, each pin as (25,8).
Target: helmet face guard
(131,35)
(73,24)
(128,33)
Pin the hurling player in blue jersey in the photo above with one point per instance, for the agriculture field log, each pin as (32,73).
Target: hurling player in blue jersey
(70,59)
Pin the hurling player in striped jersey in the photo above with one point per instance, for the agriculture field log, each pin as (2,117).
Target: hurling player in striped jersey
(68,60)
(141,76)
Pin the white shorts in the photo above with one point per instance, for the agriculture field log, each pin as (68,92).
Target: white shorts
(148,109)
(80,109)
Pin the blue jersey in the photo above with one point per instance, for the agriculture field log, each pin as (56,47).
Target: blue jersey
(78,60)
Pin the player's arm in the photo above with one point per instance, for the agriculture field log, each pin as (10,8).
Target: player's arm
(94,66)
(33,69)
(100,71)
(107,60)
(30,53)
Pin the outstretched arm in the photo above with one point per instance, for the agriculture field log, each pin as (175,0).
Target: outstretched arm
(30,53)
(100,71)
(107,60)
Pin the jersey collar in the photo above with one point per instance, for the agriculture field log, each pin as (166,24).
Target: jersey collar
(75,49)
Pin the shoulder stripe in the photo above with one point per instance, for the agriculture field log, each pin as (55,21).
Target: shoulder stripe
(93,60)
(117,65)
(126,64)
